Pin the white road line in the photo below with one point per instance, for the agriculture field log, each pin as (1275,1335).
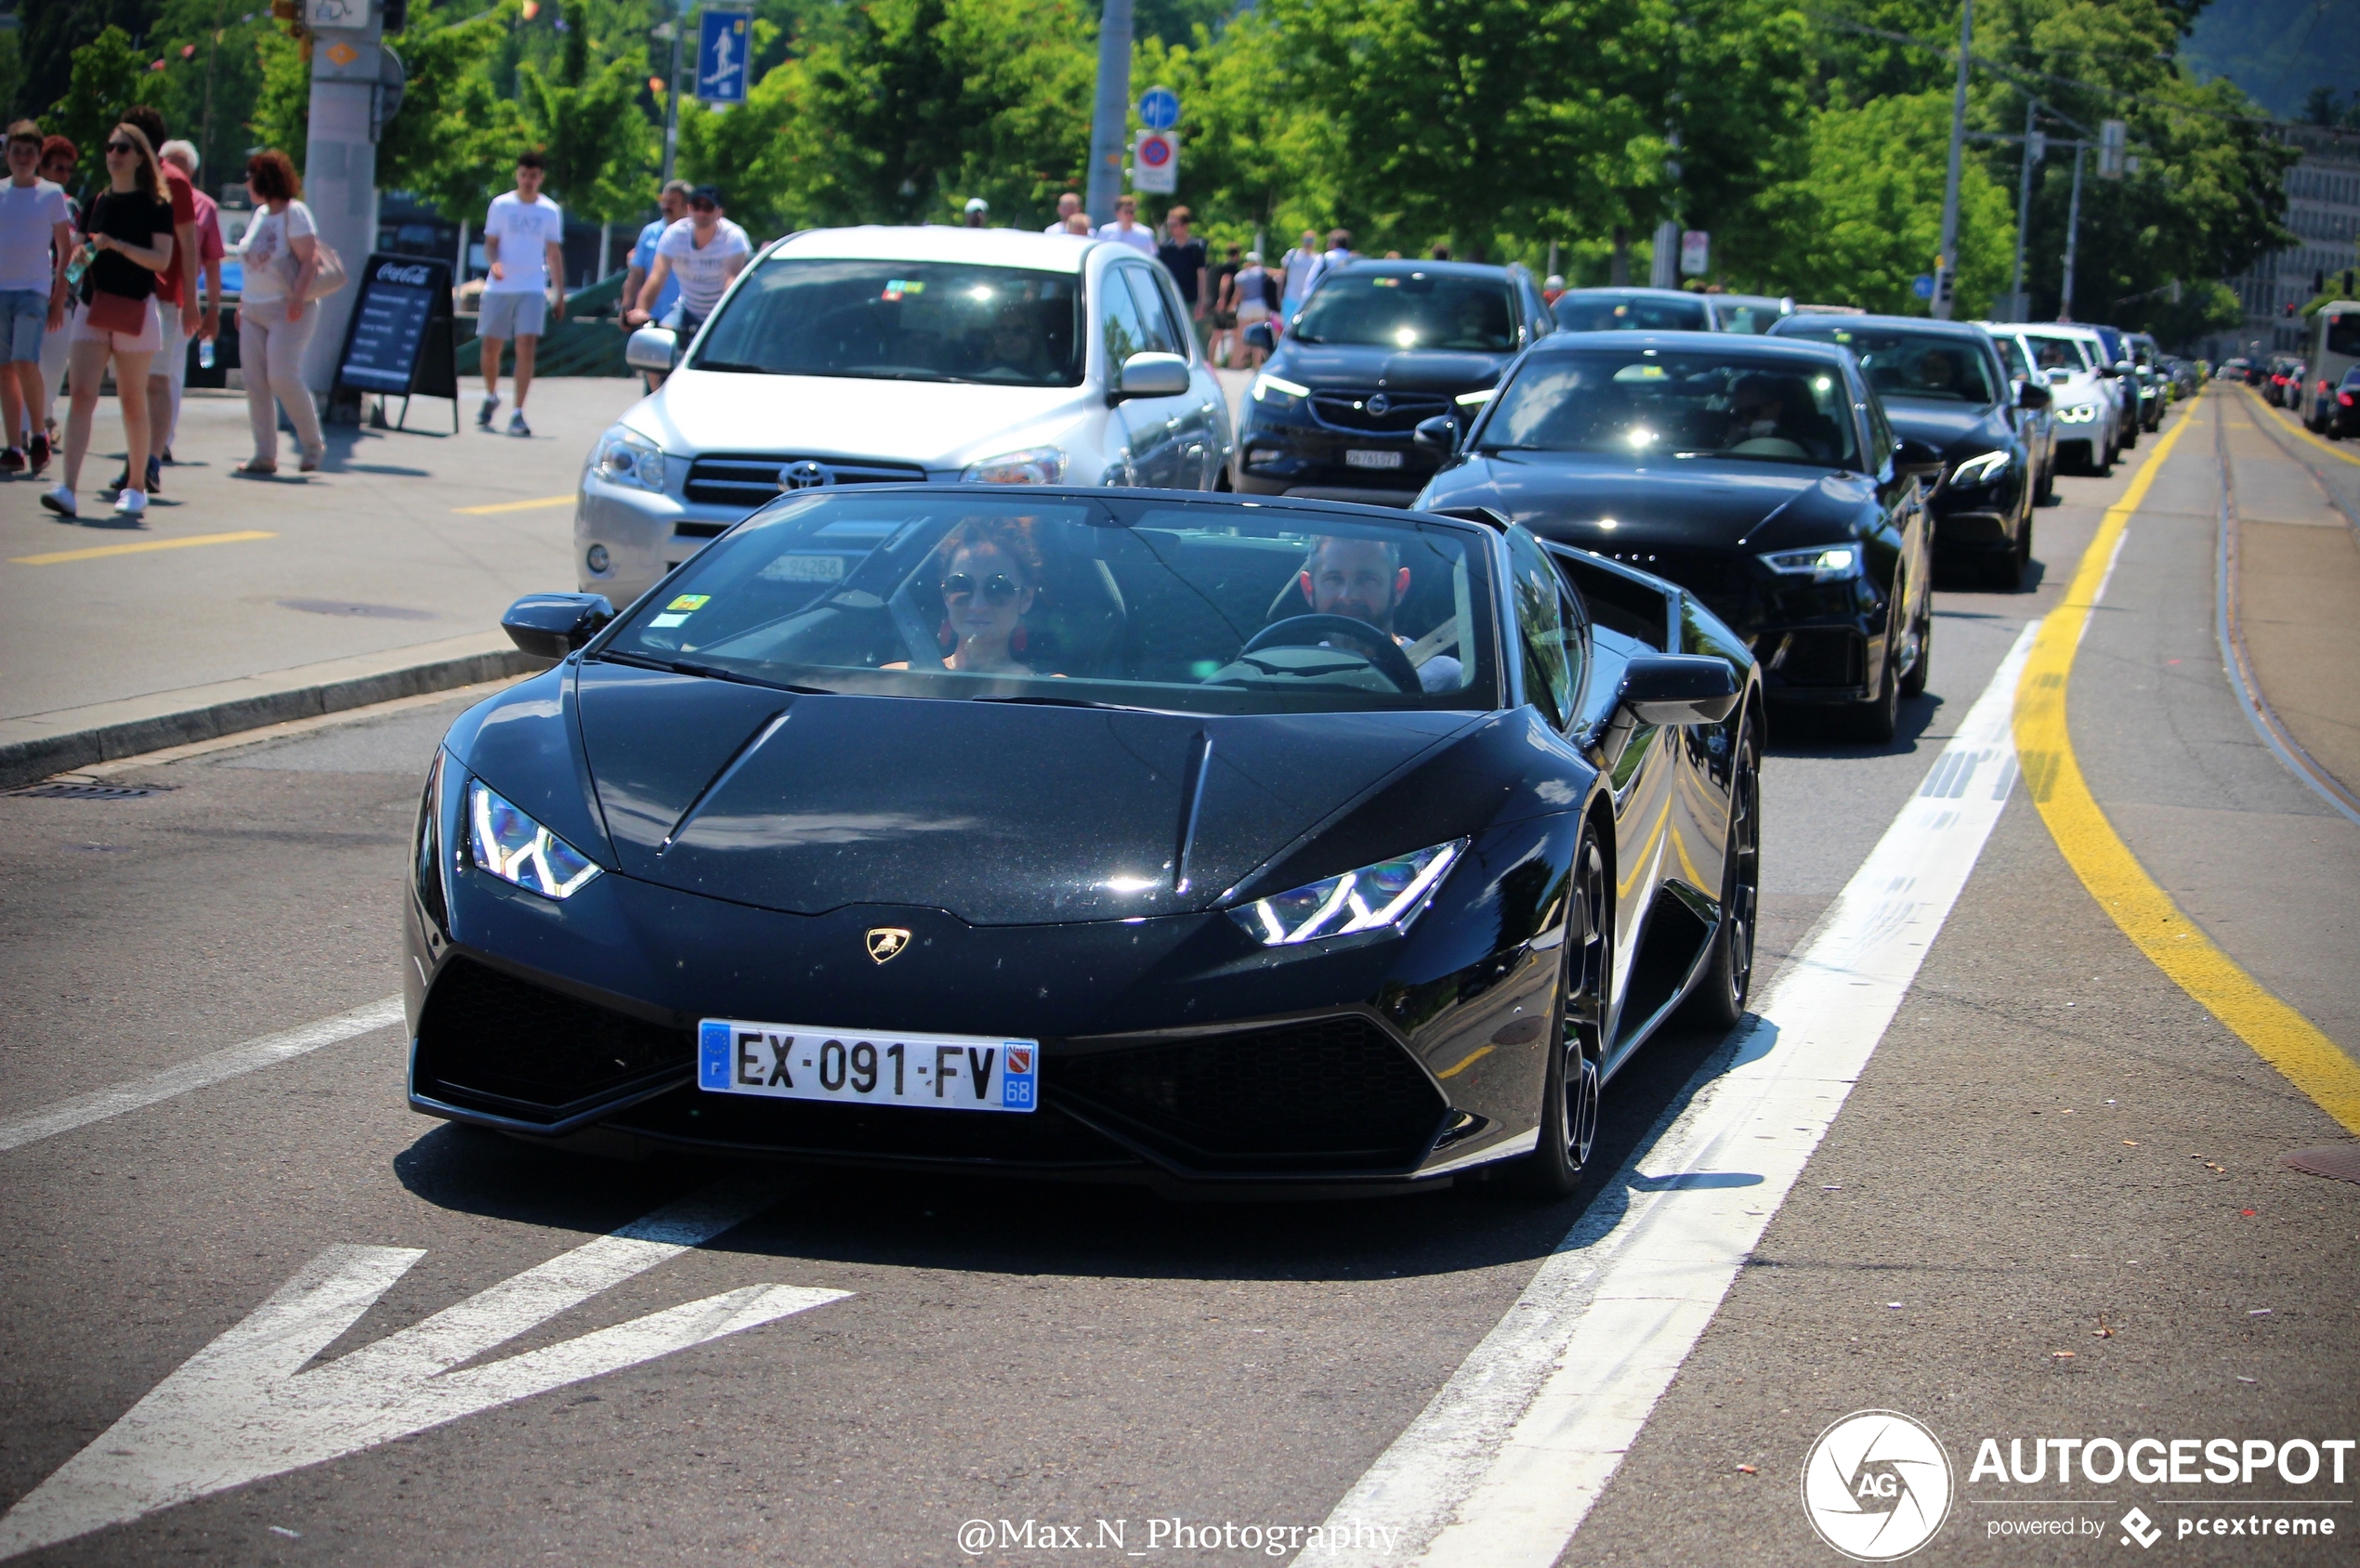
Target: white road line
(210,1068)
(244,1407)
(1504,1463)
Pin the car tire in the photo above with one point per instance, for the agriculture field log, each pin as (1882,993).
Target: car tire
(1719,1002)
(2046,492)
(1578,1032)
(1913,682)
(1876,720)
(2130,433)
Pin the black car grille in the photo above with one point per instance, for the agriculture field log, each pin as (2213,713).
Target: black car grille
(1326,1092)
(1376,412)
(1822,656)
(491,1042)
(883,1134)
(748,479)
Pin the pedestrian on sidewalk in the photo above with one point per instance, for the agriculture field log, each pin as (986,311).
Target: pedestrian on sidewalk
(176,315)
(59,156)
(36,236)
(1256,294)
(1295,268)
(209,250)
(673,204)
(524,240)
(1182,256)
(1334,258)
(1221,346)
(704,251)
(274,318)
(1126,228)
(126,241)
(1067,204)
(1078,223)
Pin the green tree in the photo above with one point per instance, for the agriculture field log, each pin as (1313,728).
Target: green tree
(108,77)
(454,142)
(598,144)
(1251,154)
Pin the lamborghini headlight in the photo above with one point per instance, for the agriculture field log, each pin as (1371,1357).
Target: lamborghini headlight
(1391,892)
(1979,470)
(514,848)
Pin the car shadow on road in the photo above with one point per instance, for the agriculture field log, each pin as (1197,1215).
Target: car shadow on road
(1813,732)
(970,1222)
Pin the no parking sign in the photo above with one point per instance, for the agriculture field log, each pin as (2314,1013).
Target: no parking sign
(1155,162)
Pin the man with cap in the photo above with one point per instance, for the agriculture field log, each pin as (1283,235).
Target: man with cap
(704,251)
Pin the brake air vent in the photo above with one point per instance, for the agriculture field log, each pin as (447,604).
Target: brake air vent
(490,1043)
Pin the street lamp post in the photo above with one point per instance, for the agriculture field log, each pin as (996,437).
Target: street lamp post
(2073,234)
(1947,267)
(1110,116)
(671,107)
(2020,305)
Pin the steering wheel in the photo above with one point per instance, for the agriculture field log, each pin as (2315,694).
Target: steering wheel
(1309,631)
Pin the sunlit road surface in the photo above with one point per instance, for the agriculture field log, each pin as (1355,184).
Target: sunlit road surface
(256,1312)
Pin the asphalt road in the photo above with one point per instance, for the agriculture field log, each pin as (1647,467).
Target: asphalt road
(2051,1206)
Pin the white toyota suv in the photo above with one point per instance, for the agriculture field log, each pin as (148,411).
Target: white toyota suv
(883,354)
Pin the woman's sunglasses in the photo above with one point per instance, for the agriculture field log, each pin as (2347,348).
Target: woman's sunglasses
(997,589)
(123,147)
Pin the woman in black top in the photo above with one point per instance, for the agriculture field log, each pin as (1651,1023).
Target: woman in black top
(127,234)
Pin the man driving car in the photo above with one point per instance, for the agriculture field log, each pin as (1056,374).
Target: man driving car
(1364,579)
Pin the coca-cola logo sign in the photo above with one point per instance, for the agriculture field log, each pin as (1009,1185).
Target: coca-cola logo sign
(414,274)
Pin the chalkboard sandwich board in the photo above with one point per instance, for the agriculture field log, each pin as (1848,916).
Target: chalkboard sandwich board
(398,342)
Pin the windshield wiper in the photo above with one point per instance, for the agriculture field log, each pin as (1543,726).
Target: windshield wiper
(735,366)
(710,671)
(1065,702)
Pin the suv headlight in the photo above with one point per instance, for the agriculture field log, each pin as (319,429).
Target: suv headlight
(1821,563)
(518,850)
(1278,392)
(1979,470)
(1034,465)
(1391,892)
(625,457)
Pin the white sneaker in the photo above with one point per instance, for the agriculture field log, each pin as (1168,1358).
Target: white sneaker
(60,500)
(131,504)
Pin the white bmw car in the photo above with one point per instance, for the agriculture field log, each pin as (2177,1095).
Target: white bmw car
(2088,404)
(892,355)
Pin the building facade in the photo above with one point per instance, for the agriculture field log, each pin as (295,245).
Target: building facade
(2323,208)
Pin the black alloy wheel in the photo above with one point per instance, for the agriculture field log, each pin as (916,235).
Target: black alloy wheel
(1876,719)
(2047,491)
(1570,1099)
(1721,993)
(1913,683)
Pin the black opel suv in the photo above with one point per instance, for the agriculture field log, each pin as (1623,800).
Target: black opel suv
(1379,347)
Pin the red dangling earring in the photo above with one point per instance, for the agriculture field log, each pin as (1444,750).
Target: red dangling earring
(1016,640)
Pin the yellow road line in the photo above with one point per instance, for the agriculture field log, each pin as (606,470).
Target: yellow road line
(515,506)
(2286,418)
(57,557)
(2146,913)
(1477,1055)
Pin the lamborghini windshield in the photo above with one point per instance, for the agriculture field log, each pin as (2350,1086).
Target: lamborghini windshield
(1205,607)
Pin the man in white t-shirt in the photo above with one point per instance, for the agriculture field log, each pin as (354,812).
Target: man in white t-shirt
(1127,230)
(36,235)
(704,251)
(524,240)
(1067,204)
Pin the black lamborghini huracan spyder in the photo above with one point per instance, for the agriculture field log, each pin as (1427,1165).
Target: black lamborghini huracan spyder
(1174,838)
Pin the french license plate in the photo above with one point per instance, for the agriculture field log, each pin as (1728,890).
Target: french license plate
(1358,457)
(796,1062)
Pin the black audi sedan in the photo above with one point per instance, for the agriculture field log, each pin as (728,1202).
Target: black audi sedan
(1945,383)
(1758,472)
(1200,842)
(1379,347)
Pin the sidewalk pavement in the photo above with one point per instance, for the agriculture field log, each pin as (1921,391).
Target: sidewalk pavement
(254,600)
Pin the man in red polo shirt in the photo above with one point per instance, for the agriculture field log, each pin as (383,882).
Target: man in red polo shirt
(176,300)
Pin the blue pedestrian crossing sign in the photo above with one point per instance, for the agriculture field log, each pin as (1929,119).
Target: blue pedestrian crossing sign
(1159,108)
(724,40)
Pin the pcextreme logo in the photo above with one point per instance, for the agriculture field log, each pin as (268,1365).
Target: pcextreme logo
(1877,1485)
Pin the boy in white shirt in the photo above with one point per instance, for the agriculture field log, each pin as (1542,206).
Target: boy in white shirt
(703,251)
(35,238)
(524,240)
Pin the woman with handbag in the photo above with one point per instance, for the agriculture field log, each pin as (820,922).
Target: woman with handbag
(128,240)
(282,258)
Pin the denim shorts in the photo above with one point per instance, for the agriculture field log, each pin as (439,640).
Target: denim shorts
(24,320)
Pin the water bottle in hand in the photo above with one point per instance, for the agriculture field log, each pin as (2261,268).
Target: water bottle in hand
(205,353)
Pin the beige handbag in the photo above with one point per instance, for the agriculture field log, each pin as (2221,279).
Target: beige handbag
(327,273)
